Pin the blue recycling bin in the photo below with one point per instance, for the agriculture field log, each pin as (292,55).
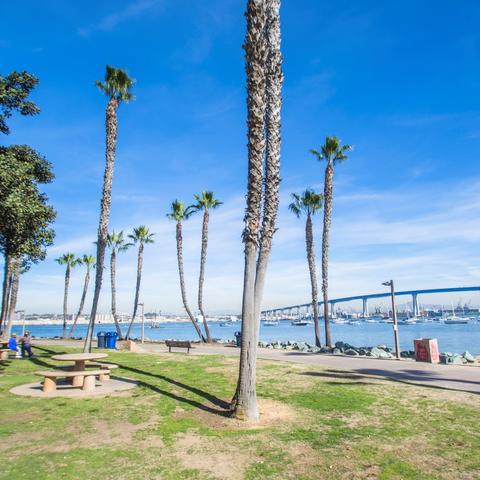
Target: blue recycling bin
(101,339)
(238,338)
(111,340)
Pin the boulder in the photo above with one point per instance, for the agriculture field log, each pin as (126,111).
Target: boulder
(468,357)
(376,352)
(337,351)
(314,349)
(351,351)
(384,354)
(302,346)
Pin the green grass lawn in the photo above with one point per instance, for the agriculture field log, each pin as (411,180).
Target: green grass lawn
(316,424)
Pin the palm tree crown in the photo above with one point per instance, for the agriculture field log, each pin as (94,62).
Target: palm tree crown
(117,84)
(88,261)
(116,241)
(141,234)
(206,201)
(68,259)
(180,212)
(332,151)
(308,203)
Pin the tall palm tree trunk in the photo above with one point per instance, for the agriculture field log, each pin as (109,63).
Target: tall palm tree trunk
(182,279)
(244,401)
(15,281)
(6,289)
(113,269)
(201,277)
(111,139)
(137,289)
(65,301)
(327,220)
(274,81)
(82,302)
(313,276)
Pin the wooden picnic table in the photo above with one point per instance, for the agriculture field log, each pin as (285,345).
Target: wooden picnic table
(80,359)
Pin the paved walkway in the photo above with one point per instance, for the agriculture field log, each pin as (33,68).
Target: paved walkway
(450,377)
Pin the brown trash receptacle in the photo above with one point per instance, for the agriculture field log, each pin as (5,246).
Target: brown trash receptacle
(426,350)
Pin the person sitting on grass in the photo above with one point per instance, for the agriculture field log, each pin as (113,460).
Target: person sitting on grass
(13,345)
(26,343)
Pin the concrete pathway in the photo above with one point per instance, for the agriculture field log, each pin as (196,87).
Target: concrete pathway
(451,377)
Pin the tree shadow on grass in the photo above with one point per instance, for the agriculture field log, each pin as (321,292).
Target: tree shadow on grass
(418,378)
(223,408)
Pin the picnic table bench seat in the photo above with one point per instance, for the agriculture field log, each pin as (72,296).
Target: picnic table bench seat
(104,367)
(50,378)
(178,344)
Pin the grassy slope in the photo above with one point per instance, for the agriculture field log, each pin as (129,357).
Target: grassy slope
(337,425)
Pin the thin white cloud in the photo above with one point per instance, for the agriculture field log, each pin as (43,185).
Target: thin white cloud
(424,237)
(109,22)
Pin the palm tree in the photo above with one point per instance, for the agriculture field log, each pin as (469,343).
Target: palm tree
(206,201)
(179,213)
(142,236)
(89,262)
(332,152)
(309,203)
(117,88)
(116,243)
(70,261)
(264,99)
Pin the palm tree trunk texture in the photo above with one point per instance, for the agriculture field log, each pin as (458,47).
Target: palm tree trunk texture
(113,265)
(201,277)
(65,301)
(13,297)
(111,140)
(327,220)
(6,289)
(313,276)
(244,402)
(274,81)
(137,288)
(182,279)
(82,302)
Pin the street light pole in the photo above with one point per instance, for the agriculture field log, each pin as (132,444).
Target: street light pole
(394,316)
(143,321)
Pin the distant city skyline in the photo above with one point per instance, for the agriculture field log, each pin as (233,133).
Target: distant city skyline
(406,201)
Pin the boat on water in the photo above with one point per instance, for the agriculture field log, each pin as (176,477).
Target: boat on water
(407,321)
(301,323)
(340,321)
(386,320)
(270,323)
(454,320)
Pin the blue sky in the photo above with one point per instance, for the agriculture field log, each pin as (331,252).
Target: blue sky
(399,81)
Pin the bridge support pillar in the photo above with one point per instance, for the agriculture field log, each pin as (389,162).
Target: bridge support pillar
(365,308)
(415,309)
(332,310)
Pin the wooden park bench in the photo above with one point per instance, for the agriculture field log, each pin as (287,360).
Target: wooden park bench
(50,378)
(178,344)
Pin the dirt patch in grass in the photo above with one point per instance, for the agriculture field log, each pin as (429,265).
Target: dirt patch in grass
(212,455)
(101,434)
(272,413)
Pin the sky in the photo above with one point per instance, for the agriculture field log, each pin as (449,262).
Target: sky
(398,80)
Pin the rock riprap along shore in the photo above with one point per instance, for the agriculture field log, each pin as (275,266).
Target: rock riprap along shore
(379,351)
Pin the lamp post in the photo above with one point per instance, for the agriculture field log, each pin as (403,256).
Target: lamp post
(143,321)
(394,316)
